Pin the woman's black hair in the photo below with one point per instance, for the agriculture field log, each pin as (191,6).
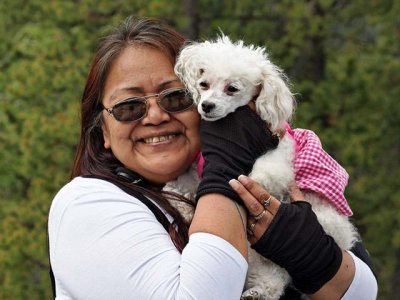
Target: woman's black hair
(91,158)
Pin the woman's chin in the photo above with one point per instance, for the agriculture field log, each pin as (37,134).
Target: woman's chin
(166,169)
(165,161)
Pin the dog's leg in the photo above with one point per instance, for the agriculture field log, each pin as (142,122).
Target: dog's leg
(274,170)
(265,280)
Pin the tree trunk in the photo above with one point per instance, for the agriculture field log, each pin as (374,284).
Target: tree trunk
(190,10)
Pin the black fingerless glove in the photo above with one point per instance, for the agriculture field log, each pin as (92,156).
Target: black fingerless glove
(230,147)
(297,242)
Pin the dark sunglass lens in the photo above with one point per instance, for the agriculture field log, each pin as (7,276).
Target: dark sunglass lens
(176,101)
(129,111)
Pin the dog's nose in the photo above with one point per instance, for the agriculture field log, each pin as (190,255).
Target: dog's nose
(207,106)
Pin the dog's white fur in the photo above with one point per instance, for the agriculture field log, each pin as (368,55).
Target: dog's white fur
(222,76)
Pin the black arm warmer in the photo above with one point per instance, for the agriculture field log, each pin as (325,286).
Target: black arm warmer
(297,242)
(230,147)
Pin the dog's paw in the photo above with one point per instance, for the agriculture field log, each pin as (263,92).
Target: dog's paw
(251,294)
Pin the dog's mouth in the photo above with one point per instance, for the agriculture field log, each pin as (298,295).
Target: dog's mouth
(210,117)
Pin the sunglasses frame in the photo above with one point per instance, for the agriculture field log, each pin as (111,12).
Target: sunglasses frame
(143,99)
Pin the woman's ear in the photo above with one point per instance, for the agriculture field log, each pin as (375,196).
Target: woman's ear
(106,136)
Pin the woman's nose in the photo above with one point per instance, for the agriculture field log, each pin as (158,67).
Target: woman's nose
(155,115)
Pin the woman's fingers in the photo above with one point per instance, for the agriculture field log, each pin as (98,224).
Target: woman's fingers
(256,228)
(260,194)
(296,194)
(260,204)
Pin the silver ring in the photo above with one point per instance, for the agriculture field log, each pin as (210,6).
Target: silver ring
(267,202)
(260,215)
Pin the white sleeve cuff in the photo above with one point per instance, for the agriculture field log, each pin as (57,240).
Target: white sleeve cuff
(211,268)
(364,285)
(208,238)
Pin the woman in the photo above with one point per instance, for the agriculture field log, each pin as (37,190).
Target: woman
(140,130)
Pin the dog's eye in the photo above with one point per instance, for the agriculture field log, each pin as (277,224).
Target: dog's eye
(231,89)
(204,85)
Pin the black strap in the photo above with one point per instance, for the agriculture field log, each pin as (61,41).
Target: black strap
(52,278)
(146,201)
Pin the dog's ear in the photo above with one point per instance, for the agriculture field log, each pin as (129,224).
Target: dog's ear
(188,67)
(276,103)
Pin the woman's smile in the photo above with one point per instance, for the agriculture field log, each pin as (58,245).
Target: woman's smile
(158,137)
(163,139)
(161,143)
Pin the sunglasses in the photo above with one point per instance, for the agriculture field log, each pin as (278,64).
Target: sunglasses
(135,108)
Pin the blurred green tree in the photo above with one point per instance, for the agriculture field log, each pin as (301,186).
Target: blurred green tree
(341,56)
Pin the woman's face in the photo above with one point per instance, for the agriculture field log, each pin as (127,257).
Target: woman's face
(160,146)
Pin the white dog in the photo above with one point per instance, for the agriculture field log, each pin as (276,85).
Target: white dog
(223,76)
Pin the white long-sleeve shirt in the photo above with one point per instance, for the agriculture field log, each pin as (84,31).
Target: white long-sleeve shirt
(106,244)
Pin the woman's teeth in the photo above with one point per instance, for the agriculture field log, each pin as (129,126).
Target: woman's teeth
(157,139)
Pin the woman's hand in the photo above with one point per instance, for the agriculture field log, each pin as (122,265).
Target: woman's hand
(291,236)
(261,206)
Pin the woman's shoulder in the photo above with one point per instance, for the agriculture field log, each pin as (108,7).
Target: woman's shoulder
(85,184)
(90,194)
(87,205)
(82,187)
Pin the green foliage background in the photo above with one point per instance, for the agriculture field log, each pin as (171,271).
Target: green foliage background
(343,58)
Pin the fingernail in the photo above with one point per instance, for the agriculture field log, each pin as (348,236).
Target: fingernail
(243,178)
(234,183)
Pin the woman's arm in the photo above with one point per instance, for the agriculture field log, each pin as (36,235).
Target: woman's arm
(317,265)
(105,244)
(338,285)
(220,216)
